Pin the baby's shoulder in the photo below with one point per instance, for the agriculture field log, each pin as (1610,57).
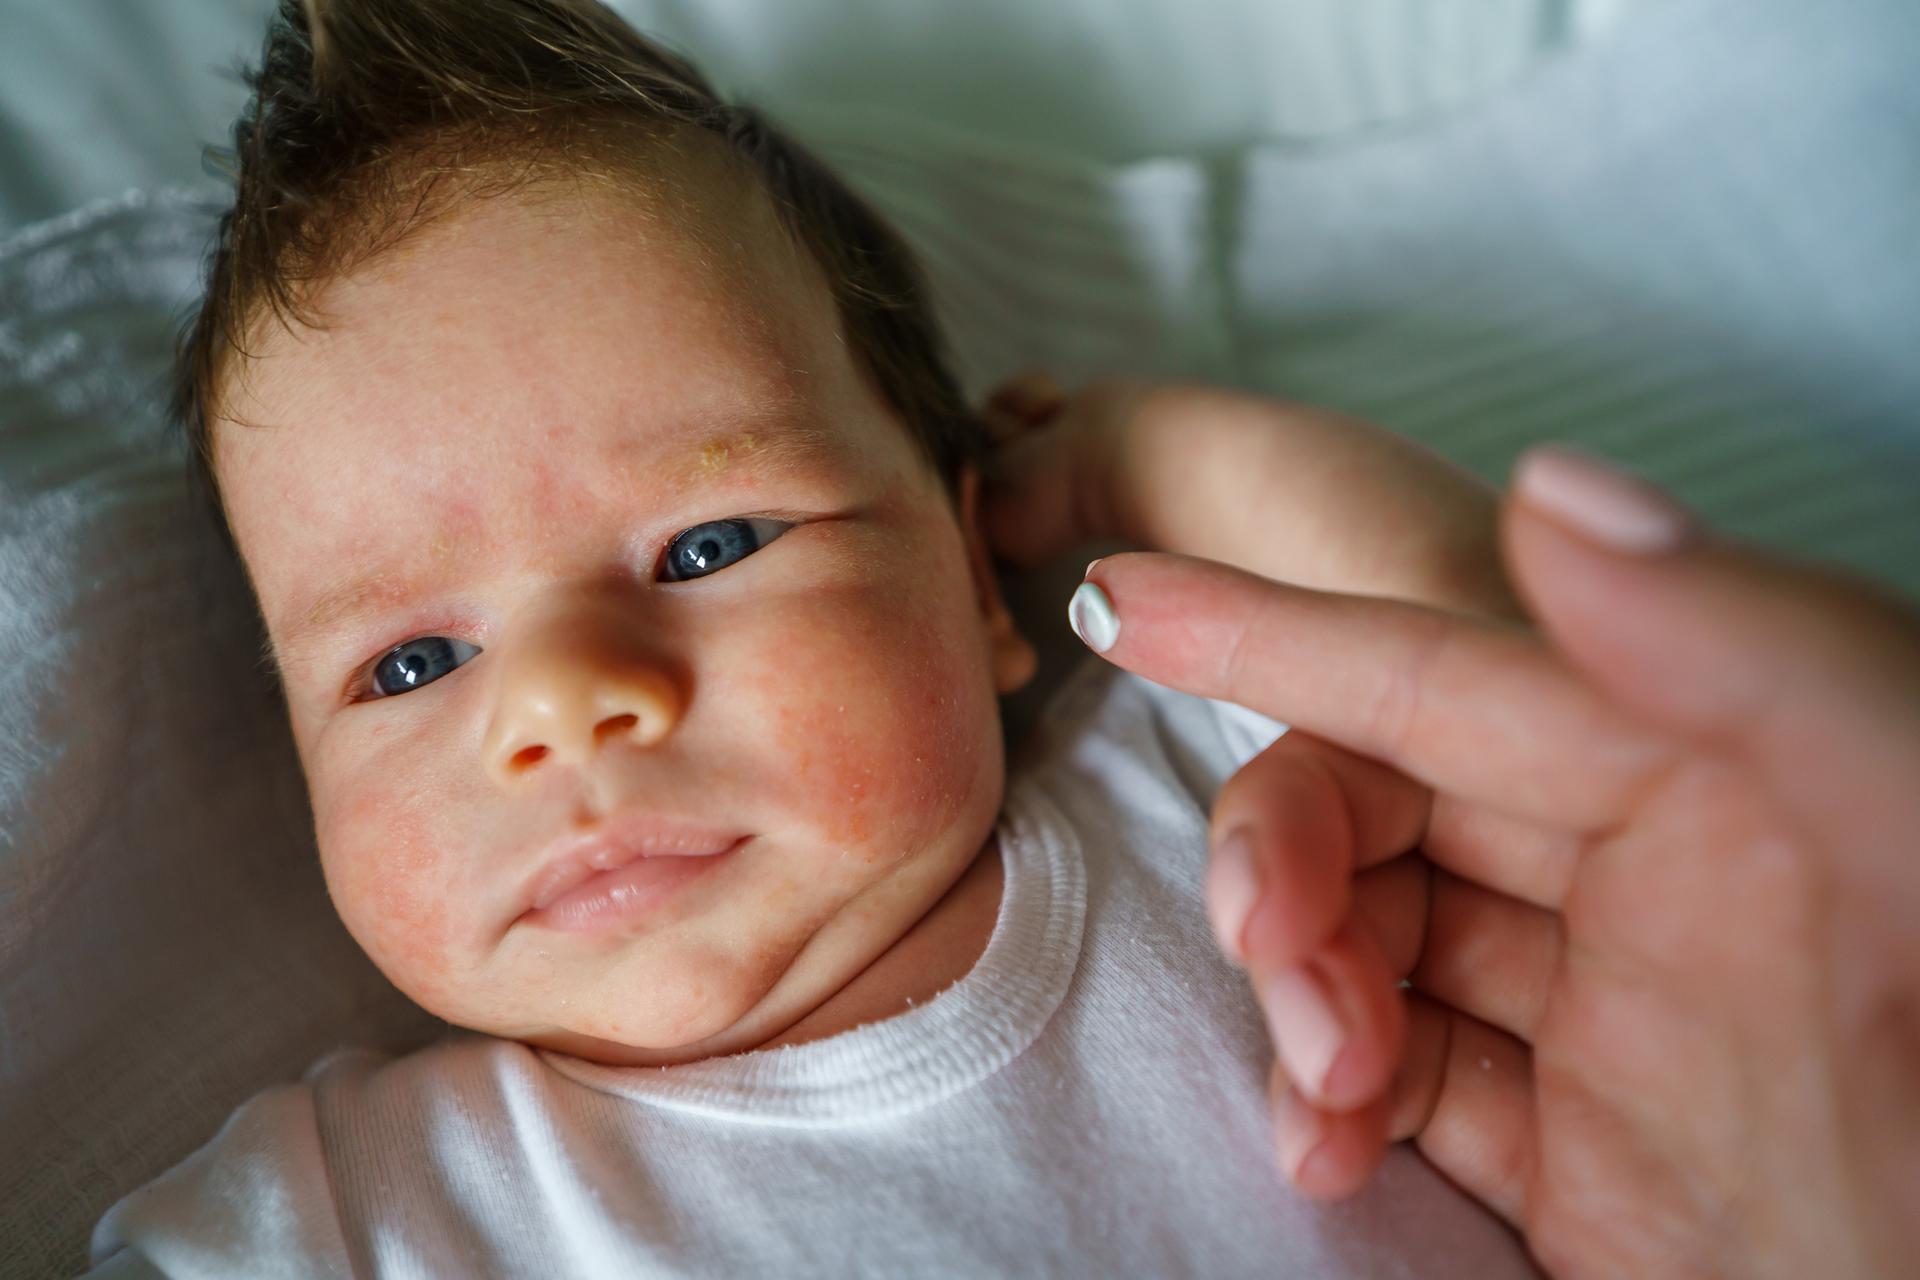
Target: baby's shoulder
(291,1164)
(459,1061)
(258,1189)
(1105,723)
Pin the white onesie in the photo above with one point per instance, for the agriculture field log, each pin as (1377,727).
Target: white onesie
(1090,1100)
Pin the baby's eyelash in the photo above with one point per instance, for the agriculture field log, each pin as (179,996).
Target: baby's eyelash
(690,557)
(759,529)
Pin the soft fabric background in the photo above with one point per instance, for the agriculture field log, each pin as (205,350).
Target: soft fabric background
(100,95)
(1681,234)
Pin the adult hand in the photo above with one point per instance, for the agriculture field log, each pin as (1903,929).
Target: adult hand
(1664,1004)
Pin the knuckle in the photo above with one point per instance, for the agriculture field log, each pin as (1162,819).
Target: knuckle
(1393,719)
(1250,614)
(1255,789)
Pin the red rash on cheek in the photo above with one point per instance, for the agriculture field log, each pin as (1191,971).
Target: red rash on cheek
(882,753)
(824,765)
(383,868)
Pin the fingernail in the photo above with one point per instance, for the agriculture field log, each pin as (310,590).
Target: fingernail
(1607,505)
(1296,1132)
(1096,560)
(1092,618)
(1310,1176)
(1306,1028)
(1236,885)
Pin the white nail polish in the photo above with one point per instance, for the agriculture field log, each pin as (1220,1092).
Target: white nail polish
(1092,618)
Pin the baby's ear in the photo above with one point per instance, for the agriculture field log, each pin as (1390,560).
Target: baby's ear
(1014,658)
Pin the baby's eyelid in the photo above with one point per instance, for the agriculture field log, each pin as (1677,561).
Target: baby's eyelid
(359,684)
(779,526)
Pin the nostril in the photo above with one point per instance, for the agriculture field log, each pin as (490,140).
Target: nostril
(526,756)
(617,724)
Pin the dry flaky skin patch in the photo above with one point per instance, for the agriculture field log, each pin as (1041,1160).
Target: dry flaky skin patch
(716,454)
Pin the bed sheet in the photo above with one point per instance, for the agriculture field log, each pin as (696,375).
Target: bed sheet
(1695,250)
(97,96)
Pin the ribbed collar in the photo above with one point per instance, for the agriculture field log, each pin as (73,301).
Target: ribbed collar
(914,1059)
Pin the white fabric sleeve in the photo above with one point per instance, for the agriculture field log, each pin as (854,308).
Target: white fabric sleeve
(255,1202)
(126,1265)
(1247,733)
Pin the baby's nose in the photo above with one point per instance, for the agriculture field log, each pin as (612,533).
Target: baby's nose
(570,687)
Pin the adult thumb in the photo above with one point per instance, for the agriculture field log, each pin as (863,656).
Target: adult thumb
(1810,677)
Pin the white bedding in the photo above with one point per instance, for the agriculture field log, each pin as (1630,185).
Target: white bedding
(100,95)
(1689,244)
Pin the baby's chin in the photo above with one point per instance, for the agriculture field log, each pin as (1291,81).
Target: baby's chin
(701,999)
(614,1054)
(723,1027)
(702,1006)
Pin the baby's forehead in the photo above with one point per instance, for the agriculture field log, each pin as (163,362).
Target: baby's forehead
(558,313)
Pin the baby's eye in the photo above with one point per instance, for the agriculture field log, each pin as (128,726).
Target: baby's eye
(710,547)
(415,663)
(693,553)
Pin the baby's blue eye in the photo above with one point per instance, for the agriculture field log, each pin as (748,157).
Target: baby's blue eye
(710,547)
(693,553)
(415,663)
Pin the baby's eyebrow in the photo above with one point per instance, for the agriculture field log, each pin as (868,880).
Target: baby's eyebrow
(758,451)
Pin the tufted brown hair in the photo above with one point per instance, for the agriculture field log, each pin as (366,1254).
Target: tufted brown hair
(370,118)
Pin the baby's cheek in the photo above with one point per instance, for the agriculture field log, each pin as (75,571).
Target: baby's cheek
(883,753)
(383,870)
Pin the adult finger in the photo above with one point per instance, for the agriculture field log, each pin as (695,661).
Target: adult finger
(1462,1087)
(1464,1095)
(1289,830)
(1488,955)
(1466,705)
(1779,665)
(1338,1021)
(1391,902)
(1482,953)
(1326,1155)
(1531,861)
(1299,819)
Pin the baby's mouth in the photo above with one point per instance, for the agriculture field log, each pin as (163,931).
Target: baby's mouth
(625,891)
(629,861)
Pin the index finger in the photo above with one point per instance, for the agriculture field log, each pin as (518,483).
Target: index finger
(1473,707)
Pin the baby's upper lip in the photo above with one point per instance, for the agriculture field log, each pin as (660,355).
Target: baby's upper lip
(619,839)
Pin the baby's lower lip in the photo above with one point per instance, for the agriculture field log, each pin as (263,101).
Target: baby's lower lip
(627,893)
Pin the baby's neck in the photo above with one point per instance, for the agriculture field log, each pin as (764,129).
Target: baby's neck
(937,952)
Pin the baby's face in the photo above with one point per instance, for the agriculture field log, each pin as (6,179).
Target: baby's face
(492,449)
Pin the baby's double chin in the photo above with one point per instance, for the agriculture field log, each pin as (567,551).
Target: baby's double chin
(762,1022)
(827,960)
(717,1031)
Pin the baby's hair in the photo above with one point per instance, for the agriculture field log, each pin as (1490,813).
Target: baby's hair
(371,118)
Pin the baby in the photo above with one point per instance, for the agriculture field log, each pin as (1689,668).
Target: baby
(619,534)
